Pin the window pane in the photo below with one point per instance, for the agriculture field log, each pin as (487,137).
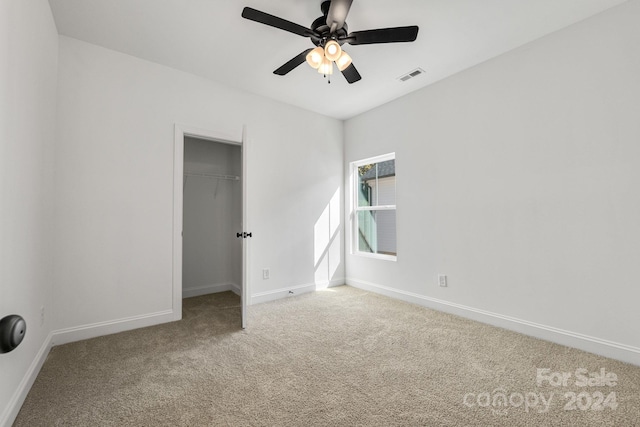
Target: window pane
(377,184)
(366,174)
(377,232)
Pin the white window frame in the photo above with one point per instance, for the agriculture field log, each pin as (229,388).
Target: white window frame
(355,250)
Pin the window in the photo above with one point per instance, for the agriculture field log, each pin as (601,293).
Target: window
(374,219)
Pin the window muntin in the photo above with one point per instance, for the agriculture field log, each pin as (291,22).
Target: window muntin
(375,207)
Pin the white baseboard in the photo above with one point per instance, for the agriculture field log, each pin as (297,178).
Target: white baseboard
(276,294)
(613,350)
(83,332)
(330,283)
(236,289)
(15,403)
(210,289)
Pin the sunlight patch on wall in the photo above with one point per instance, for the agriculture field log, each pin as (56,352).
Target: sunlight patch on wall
(326,240)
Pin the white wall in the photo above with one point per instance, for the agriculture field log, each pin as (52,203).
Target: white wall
(212,215)
(115,184)
(28,67)
(519,180)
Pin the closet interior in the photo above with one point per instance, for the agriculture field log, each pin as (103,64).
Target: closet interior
(212,214)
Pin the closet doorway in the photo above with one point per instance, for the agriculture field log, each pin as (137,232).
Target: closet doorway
(209,212)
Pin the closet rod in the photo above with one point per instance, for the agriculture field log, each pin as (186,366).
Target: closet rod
(213,175)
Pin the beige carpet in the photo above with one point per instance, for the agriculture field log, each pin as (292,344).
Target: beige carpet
(341,357)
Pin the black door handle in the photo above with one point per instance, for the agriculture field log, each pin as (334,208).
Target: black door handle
(243,235)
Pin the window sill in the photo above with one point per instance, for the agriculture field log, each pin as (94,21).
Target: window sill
(376,256)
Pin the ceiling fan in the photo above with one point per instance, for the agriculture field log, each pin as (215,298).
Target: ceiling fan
(328,33)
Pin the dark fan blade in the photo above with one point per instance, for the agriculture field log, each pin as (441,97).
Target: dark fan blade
(338,11)
(274,21)
(293,63)
(351,74)
(383,35)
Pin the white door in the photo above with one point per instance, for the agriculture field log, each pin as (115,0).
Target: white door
(244,298)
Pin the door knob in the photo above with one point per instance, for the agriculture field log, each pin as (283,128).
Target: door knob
(12,331)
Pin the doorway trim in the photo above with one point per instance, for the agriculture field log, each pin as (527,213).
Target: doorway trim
(236,136)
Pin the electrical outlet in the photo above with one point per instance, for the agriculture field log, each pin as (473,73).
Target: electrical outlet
(265,274)
(442,280)
(42,316)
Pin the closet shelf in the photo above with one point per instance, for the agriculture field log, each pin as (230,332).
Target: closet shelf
(213,175)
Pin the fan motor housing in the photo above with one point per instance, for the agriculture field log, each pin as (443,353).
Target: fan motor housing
(320,26)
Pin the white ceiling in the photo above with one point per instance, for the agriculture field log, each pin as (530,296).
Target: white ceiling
(210,39)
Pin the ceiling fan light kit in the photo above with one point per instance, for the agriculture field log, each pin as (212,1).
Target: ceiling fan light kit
(315,57)
(328,33)
(326,67)
(322,59)
(332,50)
(344,61)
